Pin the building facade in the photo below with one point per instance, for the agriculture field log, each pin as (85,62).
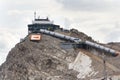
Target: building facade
(38,24)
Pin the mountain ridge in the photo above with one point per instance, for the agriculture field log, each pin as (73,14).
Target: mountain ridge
(46,60)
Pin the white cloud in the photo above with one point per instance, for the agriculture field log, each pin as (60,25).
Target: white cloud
(90,5)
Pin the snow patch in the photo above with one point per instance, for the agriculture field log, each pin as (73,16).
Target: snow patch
(82,64)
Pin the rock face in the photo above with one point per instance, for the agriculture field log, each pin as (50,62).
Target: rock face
(43,60)
(46,60)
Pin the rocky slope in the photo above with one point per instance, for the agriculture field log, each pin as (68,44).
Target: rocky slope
(46,60)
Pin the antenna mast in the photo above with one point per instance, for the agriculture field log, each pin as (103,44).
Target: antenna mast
(34,15)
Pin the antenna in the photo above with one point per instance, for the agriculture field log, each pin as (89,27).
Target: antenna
(34,15)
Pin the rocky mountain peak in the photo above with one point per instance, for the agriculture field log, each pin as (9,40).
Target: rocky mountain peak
(46,60)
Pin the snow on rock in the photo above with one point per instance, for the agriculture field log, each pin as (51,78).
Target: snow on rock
(82,64)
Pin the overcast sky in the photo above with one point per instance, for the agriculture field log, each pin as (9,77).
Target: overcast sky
(97,18)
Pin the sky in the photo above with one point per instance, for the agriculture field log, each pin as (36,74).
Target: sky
(99,19)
